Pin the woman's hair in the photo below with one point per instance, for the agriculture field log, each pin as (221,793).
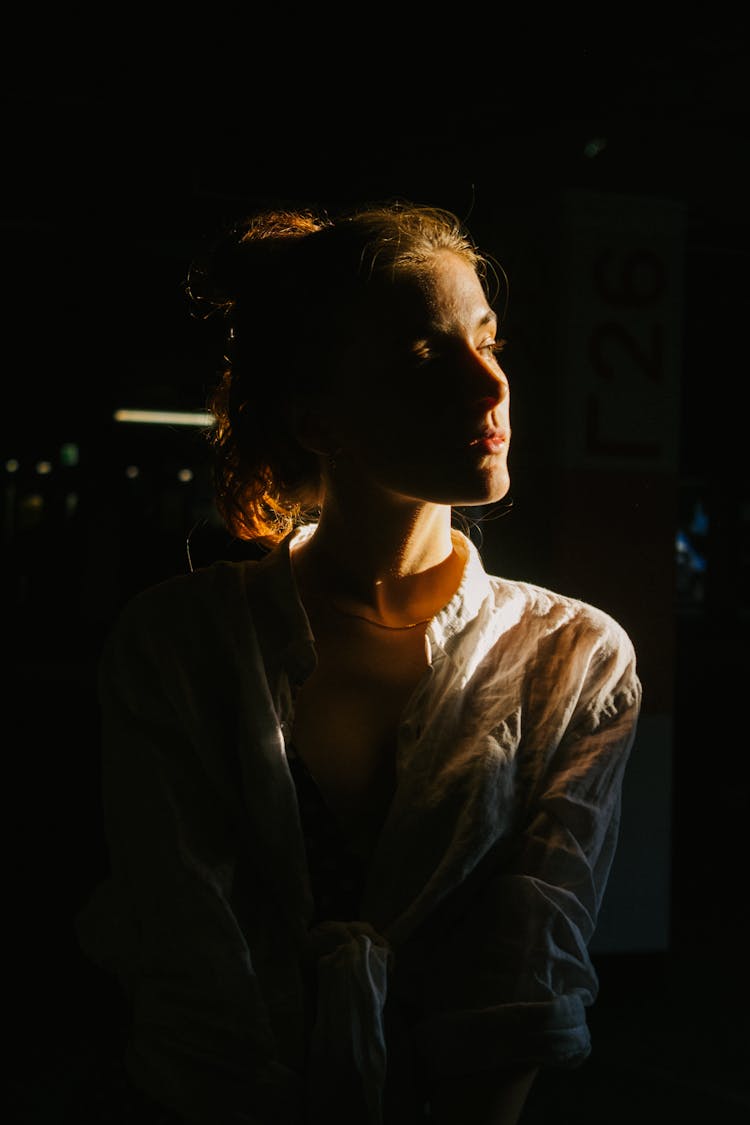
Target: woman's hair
(286,283)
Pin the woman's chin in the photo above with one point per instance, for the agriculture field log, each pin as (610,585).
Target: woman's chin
(486,492)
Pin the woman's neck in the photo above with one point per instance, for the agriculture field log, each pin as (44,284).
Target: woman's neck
(394,567)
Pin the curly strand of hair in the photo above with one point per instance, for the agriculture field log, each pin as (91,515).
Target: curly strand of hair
(247,494)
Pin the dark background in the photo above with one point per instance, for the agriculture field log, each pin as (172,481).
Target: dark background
(119,165)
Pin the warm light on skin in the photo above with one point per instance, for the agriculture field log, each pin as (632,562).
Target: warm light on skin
(420,381)
(417,420)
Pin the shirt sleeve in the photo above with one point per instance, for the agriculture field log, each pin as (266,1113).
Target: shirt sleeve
(165,922)
(509,977)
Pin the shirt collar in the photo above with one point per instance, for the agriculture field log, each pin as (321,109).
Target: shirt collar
(449,624)
(280,605)
(293,634)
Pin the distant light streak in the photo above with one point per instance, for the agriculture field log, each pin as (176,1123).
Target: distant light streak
(165,417)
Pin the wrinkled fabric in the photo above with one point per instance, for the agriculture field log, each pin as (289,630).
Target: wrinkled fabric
(348,1054)
(484,887)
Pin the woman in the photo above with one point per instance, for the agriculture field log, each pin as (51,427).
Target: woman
(362,798)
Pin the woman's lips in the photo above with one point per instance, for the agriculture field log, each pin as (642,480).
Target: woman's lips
(490,442)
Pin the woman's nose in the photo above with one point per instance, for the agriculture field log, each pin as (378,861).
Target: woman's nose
(489,379)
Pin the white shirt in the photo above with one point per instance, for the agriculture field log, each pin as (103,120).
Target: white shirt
(484,887)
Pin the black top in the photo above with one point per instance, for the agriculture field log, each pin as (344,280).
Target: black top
(337,874)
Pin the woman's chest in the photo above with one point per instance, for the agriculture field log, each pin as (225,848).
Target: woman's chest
(346,723)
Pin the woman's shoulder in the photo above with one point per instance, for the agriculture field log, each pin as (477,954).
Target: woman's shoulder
(212,597)
(572,646)
(550,611)
(190,588)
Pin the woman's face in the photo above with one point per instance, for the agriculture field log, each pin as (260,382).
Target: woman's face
(420,404)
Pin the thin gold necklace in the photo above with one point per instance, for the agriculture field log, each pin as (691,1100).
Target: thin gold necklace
(378,624)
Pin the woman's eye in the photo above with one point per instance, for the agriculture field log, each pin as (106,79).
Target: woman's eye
(493,346)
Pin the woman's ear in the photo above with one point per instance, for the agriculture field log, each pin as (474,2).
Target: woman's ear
(312,429)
